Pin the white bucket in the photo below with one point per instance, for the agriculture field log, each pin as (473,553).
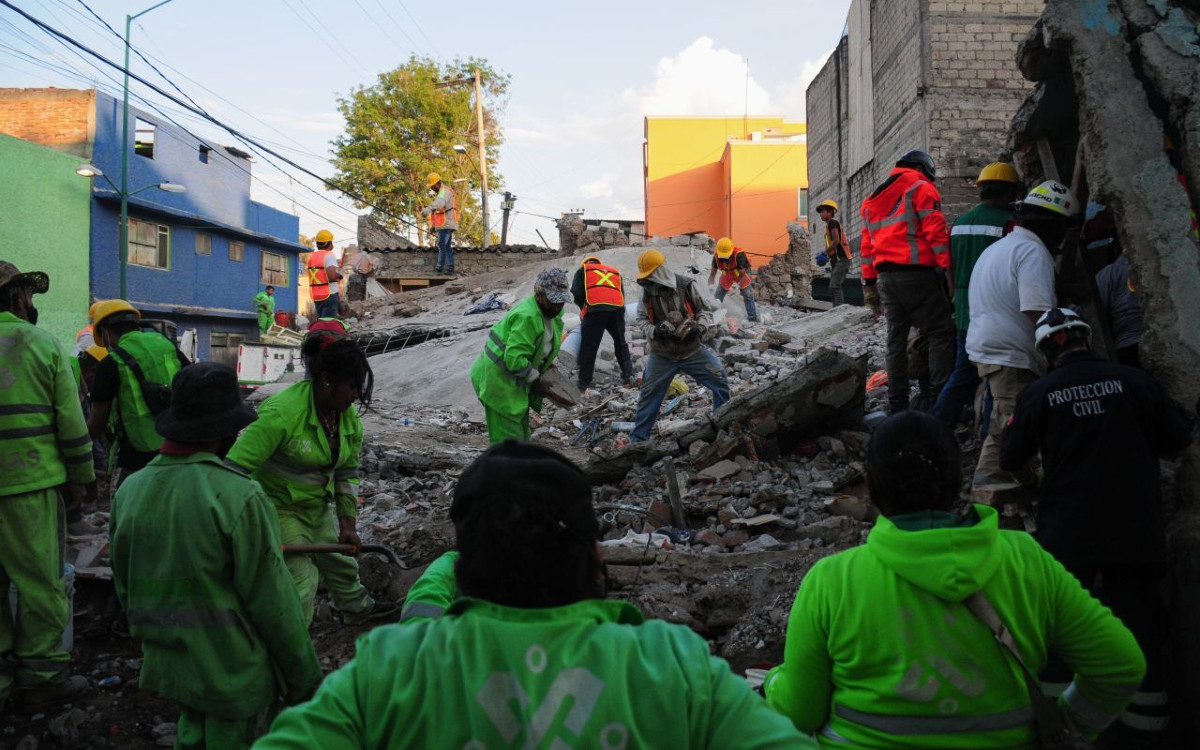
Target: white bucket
(68,636)
(571,344)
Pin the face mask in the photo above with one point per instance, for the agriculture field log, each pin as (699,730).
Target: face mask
(33,314)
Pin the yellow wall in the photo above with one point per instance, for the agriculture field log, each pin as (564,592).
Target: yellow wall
(697,180)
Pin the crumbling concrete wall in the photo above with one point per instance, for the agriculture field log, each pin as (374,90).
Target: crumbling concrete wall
(373,236)
(1117,81)
(577,237)
(787,279)
(418,262)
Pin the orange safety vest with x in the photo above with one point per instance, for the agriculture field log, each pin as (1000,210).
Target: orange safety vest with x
(318,278)
(731,270)
(903,225)
(602,286)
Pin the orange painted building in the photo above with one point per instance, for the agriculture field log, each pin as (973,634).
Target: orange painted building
(742,178)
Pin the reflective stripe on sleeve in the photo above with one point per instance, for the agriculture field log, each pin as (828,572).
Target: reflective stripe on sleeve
(78,442)
(345,488)
(184,618)
(1145,723)
(420,609)
(1157,698)
(941,249)
(10,409)
(909,725)
(976,229)
(17,433)
(1054,689)
(82,458)
(294,473)
(1088,713)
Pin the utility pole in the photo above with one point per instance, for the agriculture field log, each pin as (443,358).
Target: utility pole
(507,205)
(483,198)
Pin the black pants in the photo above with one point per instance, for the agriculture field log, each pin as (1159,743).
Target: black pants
(1134,594)
(591,332)
(914,299)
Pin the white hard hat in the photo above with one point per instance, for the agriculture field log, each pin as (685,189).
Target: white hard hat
(1058,319)
(1053,196)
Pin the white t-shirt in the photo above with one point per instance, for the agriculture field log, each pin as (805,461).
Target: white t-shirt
(1014,275)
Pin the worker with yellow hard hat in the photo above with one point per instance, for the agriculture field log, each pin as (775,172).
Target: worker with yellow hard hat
(974,232)
(324,275)
(131,386)
(674,318)
(85,337)
(837,250)
(734,267)
(443,217)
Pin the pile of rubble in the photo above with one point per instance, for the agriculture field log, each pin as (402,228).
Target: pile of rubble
(787,279)
(577,238)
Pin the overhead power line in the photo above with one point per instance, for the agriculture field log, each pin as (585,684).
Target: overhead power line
(201,112)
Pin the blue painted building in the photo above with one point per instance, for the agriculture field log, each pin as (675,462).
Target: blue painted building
(196,258)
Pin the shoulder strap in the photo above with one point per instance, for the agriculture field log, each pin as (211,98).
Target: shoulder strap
(1052,723)
(131,363)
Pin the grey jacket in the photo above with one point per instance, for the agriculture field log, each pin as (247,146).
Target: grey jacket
(662,293)
(444,202)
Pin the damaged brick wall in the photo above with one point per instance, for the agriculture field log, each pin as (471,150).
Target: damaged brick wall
(787,279)
(418,262)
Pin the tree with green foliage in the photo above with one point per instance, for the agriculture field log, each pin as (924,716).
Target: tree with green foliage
(405,126)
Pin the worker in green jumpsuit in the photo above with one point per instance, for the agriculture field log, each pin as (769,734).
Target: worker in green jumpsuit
(883,649)
(304,450)
(44,452)
(198,568)
(264,305)
(532,654)
(518,350)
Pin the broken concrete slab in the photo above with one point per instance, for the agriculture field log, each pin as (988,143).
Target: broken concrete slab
(721,469)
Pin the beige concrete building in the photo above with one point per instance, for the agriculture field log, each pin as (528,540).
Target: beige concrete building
(938,75)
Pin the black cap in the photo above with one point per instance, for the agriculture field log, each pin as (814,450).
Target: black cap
(527,481)
(205,405)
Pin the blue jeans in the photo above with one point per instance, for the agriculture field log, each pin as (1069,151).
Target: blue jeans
(747,297)
(959,389)
(445,259)
(328,307)
(702,366)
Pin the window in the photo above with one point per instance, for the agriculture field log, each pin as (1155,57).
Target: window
(204,154)
(237,250)
(149,244)
(223,347)
(802,206)
(143,138)
(274,269)
(203,244)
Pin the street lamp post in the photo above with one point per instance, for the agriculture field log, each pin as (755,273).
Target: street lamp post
(89,170)
(124,189)
(507,204)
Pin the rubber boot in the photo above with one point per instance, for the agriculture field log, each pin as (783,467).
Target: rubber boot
(35,698)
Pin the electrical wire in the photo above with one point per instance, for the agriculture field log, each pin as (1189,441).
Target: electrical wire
(228,128)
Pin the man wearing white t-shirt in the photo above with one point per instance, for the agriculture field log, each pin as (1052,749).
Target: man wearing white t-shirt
(1011,286)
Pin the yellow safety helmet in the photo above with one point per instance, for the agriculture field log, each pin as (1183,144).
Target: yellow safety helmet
(828,204)
(111,307)
(724,247)
(96,352)
(649,261)
(998,171)
(433,179)
(589,259)
(92,311)
(324,236)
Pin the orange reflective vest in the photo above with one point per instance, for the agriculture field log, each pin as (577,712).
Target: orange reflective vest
(903,224)
(437,217)
(85,331)
(318,279)
(839,250)
(731,271)
(602,285)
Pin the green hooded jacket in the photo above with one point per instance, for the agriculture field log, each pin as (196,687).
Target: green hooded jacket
(286,450)
(513,357)
(881,651)
(592,674)
(43,437)
(199,569)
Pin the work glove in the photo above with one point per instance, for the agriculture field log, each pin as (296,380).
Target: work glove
(664,329)
(533,375)
(871,298)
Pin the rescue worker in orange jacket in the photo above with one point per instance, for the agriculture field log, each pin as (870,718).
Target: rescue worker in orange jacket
(600,294)
(906,251)
(734,267)
(323,276)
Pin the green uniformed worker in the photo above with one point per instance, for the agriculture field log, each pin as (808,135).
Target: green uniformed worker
(532,655)
(264,305)
(44,451)
(198,567)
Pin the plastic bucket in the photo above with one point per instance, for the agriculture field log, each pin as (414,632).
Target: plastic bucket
(68,636)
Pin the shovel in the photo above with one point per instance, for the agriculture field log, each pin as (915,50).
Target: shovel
(345,549)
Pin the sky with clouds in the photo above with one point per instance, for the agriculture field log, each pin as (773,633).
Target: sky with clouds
(583,77)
